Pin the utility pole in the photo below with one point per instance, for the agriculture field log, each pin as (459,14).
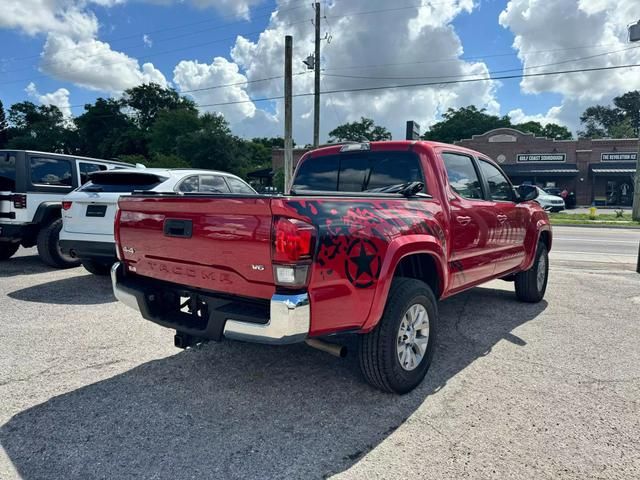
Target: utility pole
(316,86)
(288,113)
(634,36)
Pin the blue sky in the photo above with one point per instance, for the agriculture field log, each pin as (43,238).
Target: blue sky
(45,47)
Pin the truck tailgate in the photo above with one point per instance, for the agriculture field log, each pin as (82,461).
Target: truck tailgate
(216,243)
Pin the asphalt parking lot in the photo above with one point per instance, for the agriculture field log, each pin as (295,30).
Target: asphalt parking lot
(90,390)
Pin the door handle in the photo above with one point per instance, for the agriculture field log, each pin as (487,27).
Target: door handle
(178,228)
(502,218)
(463,220)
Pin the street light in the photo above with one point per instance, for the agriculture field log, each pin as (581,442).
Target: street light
(634,36)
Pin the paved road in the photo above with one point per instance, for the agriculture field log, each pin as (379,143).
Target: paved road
(596,245)
(89,390)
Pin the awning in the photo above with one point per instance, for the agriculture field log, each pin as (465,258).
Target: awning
(612,169)
(565,170)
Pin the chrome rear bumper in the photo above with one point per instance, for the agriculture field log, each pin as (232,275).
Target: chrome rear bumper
(289,315)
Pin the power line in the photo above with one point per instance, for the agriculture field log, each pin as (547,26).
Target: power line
(145,57)
(467,58)
(367,77)
(177,27)
(427,84)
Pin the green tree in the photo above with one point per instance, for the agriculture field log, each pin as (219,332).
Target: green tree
(149,100)
(612,121)
(168,127)
(364,130)
(4,127)
(557,132)
(531,127)
(463,123)
(37,127)
(105,131)
(212,146)
(271,142)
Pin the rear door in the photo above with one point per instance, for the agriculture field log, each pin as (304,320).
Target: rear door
(93,206)
(509,217)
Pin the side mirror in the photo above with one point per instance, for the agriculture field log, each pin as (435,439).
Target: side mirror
(527,193)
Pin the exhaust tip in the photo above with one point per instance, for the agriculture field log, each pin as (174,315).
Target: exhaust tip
(339,351)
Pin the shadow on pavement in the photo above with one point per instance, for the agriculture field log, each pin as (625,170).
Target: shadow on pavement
(76,290)
(235,410)
(23,265)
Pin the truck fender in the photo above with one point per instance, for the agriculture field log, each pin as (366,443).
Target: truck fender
(531,242)
(397,250)
(47,211)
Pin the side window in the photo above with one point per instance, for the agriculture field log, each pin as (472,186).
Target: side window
(212,184)
(189,184)
(7,172)
(51,171)
(463,177)
(238,186)
(87,168)
(500,188)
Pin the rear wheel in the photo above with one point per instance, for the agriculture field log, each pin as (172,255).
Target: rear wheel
(396,355)
(7,250)
(97,267)
(49,246)
(531,284)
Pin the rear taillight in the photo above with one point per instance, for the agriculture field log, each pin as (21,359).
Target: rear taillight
(293,246)
(19,200)
(292,240)
(66,205)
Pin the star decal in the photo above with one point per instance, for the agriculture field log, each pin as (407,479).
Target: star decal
(362,264)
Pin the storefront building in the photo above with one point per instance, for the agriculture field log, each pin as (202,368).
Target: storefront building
(599,172)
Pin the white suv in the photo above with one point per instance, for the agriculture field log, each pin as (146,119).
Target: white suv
(89,212)
(32,185)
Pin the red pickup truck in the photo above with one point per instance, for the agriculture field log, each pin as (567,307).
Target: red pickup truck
(369,238)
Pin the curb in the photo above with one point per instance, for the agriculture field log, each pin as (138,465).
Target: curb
(624,227)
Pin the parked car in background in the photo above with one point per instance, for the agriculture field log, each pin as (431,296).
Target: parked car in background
(551,203)
(88,213)
(32,185)
(370,237)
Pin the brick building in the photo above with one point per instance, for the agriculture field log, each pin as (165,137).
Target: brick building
(598,171)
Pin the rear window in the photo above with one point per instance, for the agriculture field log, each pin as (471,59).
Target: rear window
(122,182)
(358,172)
(7,172)
(51,171)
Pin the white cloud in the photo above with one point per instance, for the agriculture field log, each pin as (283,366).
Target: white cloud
(421,34)
(192,75)
(92,64)
(549,32)
(238,8)
(59,98)
(146,39)
(42,16)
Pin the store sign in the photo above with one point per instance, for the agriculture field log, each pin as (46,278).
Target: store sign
(542,157)
(619,157)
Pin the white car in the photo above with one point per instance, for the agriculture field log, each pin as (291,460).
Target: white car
(88,213)
(32,186)
(549,202)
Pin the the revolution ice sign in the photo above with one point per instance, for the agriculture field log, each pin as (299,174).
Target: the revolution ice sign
(541,157)
(619,157)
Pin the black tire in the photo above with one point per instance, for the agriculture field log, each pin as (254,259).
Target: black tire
(528,288)
(7,250)
(48,247)
(97,267)
(378,350)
